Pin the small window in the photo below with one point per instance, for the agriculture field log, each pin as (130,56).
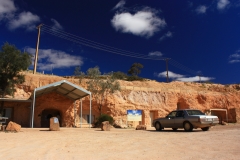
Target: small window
(172,114)
(180,114)
(194,112)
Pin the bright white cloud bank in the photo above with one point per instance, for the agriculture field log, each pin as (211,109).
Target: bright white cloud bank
(235,58)
(48,58)
(143,23)
(179,77)
(222,4)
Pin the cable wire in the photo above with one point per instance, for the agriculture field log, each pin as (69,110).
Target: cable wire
(100,48)
(89,42)
(71,37)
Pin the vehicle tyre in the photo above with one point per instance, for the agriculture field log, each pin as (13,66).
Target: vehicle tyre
(174,129)
(205,128)
(187,126)
(158,126)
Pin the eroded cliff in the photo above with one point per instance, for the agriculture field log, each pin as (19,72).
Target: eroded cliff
(154,98)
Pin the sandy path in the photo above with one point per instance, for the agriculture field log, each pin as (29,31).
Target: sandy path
(221,142)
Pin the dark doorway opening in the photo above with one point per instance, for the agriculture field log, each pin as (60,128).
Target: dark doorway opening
(47,114)
(182,105)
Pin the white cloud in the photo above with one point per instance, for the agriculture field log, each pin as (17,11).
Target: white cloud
(14,20)
(7,8)
(56,24)
(156,53)
(119,5)
(167,35)
(171,75)
(222,4)
(48,58)
(234,61)
(24,20)
(143,23)
(179,77)
(194,79)
(235,58)
(201,9)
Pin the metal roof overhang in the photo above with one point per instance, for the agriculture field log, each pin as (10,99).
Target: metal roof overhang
(63,87)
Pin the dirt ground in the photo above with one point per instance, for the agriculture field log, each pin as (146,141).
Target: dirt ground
(221,142)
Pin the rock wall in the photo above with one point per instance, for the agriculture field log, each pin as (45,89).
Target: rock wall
(153,98)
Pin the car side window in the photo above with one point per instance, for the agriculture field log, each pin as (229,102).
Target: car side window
(180,114)
(172,114)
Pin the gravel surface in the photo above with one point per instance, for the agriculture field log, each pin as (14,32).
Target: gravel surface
(220,142)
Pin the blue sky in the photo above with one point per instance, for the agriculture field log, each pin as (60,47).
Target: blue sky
(199,36)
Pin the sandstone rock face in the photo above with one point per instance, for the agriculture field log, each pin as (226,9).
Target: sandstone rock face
(54,124)
(105,126)
(155,99)
(13,127)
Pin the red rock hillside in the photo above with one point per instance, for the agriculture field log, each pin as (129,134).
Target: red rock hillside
(154,98)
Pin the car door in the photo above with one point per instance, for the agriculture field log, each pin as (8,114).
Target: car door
(178,120)
(168,121)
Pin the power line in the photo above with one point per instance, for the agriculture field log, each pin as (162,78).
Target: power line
(182,67)
(103,49)
(99,46)
(76,39)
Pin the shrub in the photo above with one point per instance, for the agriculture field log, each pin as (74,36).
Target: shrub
(102,118)
(119,75)
(134,78)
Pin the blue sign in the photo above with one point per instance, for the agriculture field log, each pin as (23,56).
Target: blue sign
(134,115)
(134,112)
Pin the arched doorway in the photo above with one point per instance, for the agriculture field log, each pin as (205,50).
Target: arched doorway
(182,105)
(47,114)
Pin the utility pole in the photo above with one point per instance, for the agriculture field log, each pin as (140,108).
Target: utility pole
(36,54)
(200,77)
(167,68)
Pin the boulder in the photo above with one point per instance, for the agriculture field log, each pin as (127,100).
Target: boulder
(13,127)
(54,124)
(141,127)
(105,126)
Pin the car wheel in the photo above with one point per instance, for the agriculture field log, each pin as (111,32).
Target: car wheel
(205,128)
(174,129)
(158,126)
(187,126)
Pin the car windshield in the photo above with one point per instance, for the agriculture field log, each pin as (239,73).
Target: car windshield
(195,112)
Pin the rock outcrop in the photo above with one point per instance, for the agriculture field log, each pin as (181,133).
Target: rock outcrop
(154,98)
